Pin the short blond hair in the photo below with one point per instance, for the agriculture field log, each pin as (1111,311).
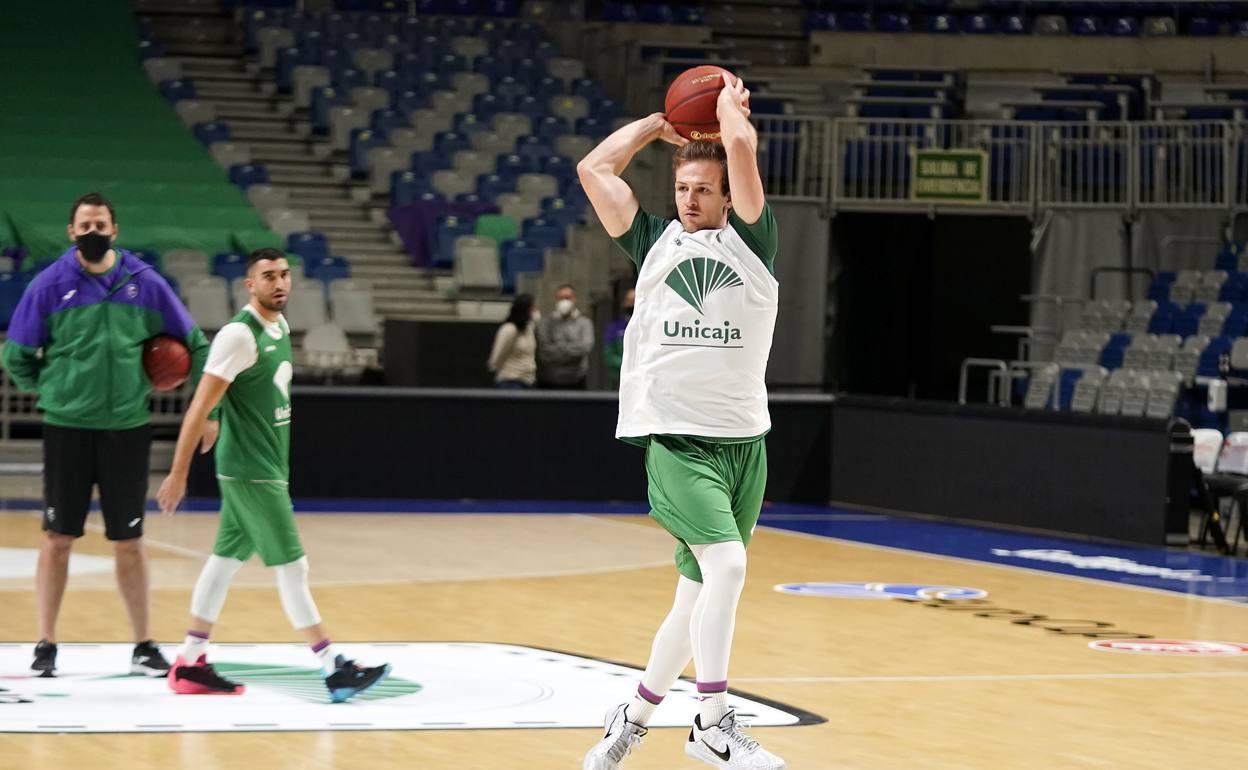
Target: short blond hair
(703,150)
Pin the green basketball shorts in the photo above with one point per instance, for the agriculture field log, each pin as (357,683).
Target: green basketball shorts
(257,517)
(703,491)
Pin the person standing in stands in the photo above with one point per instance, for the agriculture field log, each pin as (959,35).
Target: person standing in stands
(76,339)
(564,343)
(613,338)
(513,359)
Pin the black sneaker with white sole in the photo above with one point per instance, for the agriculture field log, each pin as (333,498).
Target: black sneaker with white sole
(45,658)
(148,660)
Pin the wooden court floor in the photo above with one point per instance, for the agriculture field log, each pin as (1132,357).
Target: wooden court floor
(903,685)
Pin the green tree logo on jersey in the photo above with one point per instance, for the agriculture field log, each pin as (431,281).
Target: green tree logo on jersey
(697,278)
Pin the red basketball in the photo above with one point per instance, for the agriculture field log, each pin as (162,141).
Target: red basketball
(691,99)
(166,361)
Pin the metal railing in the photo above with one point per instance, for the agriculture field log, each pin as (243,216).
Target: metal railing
(19,408)
(868,164)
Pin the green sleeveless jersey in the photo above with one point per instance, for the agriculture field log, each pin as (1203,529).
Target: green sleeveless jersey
(255,413)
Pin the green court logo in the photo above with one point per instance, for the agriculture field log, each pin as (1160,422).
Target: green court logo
(697,278)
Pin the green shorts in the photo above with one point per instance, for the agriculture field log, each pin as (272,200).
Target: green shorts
(705,492)
(257,517)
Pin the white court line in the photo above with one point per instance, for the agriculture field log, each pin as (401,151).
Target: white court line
(966,560)
(986,677)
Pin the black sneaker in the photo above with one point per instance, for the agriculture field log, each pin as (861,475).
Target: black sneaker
(351,679)
(148,661)
(200,678)
(45,659)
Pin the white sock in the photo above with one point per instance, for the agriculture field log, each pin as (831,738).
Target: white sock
(713,707)
(195,644)
(327,655)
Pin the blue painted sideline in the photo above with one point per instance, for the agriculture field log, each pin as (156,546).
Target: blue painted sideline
(1178,571)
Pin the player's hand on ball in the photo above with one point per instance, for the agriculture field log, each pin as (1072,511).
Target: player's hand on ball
(668,134)
(171,492)
(212,429)
(733,96)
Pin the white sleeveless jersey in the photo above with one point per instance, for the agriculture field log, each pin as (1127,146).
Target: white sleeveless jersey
(696,348)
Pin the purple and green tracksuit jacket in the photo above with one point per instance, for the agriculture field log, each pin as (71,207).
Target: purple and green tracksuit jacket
(77,340)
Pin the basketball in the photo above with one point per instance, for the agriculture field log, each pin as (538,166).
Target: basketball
(691,100)
(166,361)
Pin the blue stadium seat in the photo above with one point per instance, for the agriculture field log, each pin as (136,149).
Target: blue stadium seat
(941,24)
(428,162)
(1123,26)
(176,90)
(854,22)
(345,80)
(608,110)
(229,266)
(208,133)
(531,107)
(626,12)
(1203,26)
(546,87)
(979,24)
(1210,365)
(1112,353)
(1014,24)
(535,148)
(690,15)
(449,142)
(406,187)
(593,127)
(589,88)
(309,245)
(363,140)
(490,186)
(563,211)
(551,128)
(324,100)
(446,231)
(655,13)
(821,21)
(11,287)
(462,7)
(385,121)
(150,49)
(486,106)
(559,167)
(894,22)
(515,164)
(1163,319)
(543,233)
(246,174)
(327,268)
(519,257)
(500,8)
(1187,322)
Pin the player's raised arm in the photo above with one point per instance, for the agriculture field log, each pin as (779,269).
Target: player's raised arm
(741,143)
(613,200)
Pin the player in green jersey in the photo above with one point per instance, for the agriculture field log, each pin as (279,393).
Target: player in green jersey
(248,374)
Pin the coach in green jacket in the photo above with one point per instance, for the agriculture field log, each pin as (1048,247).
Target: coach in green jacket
(76,338)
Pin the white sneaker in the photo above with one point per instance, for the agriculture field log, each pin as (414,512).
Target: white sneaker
(726,747)
(619,740)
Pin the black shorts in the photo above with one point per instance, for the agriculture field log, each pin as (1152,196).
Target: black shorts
(76,459)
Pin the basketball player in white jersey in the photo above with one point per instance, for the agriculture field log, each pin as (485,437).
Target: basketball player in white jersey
(692,393)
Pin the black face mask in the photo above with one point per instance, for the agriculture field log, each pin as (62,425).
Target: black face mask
(93,246)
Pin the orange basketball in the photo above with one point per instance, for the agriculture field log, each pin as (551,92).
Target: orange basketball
(691,99)
(166,361)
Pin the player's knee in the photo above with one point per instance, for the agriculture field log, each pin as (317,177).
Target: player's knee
(57,542)
(725,563)
(130,547)
(293,573)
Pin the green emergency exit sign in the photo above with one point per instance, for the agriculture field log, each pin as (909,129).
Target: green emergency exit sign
(949,176)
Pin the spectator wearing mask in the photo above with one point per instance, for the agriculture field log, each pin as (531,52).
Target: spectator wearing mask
(513,359)
(564,343)
(613,339)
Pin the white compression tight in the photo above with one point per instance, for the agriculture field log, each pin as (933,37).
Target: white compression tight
(715,612)
(701,622)
(292,587)
(213,584)
(672,647)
